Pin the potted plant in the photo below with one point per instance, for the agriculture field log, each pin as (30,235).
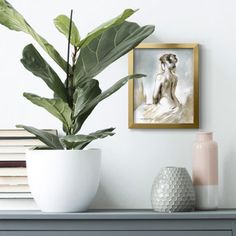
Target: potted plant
(63,177)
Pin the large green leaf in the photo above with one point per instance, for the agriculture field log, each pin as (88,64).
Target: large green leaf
(62,23)
(86,109)
(79,120)
(103,133)
(80,141)
(85,95)
(105,26)
(108,93)
(51,140)
(35,63)
(108,47)
(73,141)
(56,107)
(13,20)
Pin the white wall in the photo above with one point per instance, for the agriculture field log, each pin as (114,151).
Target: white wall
(132,158)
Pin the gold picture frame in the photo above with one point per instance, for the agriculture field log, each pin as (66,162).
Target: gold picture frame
(167,97)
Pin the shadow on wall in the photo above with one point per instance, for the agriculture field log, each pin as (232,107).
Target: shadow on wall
(103,199)
(228,192)
(201,68)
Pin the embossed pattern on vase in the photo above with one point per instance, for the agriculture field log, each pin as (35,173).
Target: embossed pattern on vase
(173,191)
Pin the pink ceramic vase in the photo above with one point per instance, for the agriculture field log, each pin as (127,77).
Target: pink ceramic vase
(205,171)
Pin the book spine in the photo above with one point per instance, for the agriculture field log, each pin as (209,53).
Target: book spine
(11,164)
(18,204)
(13,171)
(21,133)
(15,195)
(20,188)
(21,142)
(13,180)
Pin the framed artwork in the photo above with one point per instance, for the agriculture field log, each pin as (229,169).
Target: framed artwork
(168,96)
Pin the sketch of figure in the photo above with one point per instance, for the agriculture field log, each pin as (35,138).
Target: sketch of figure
(165,96)
(166,82)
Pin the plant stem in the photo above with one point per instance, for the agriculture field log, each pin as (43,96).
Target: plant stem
(70,73)
(74,55)
(69,76)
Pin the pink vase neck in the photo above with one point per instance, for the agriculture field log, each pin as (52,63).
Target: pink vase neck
(204,136)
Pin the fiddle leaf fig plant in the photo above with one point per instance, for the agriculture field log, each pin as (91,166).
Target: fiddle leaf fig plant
(75,96)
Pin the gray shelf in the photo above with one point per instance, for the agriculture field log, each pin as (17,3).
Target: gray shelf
(118,223)
(120,214)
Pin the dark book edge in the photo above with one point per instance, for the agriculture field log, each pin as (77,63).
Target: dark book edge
(11,164)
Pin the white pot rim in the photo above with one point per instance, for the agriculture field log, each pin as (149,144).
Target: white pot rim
(64,150)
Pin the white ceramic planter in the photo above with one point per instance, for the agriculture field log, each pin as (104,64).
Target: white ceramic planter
(63,180)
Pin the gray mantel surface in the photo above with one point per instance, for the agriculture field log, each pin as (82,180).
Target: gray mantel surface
(118,223)
(118,215)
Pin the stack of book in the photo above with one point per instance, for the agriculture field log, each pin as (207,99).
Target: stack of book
(14,188)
